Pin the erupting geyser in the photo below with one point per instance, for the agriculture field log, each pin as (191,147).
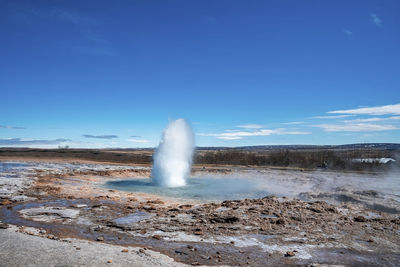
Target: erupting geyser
(173,158)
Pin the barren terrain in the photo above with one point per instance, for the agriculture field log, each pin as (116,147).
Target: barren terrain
(314,218)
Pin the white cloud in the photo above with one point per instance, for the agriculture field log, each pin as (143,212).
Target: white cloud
(260,132)
(141,141)
(250,126)
(347,32)
(332,117)
(374,119)
(376,20)
(32,142)
(379,110)
(110,136)
(355,127)
(11,127)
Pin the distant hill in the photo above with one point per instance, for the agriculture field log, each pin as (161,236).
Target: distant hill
(385,146)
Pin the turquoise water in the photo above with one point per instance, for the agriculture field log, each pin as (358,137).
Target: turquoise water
(204,188)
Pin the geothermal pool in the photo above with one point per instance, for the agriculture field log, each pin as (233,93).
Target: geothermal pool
(199,188)
(378,192)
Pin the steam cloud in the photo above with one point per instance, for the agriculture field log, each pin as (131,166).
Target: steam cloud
(173,158)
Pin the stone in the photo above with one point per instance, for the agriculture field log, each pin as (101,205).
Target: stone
(149,208)
(20,198)
(6,202)
(360,219)
(289,254)
(100,238)
(157,237)
(173,209)
(125,250)
(79,206)
(55,211)
(224,219)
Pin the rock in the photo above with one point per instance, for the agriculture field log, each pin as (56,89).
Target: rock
(79,205)
(6,202)
(157,237)
(97,228)
(198,233)
(109,261)
(54,211)
(149,208)
(42,231)
(289,254)
(173,209)
(360,219)
(315,210)
(224,219)
(3,226)
(100,238)
(124,250)
(141,250)
(21,198)
(185,206)
(157,201)
(195,263)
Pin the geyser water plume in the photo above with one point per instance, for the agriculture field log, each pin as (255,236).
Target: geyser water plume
(173,158)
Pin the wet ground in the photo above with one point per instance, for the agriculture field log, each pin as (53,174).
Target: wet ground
(359,225)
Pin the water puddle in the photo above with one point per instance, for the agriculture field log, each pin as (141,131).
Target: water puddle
(133,218)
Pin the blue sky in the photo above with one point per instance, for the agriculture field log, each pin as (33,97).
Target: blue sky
(113,73)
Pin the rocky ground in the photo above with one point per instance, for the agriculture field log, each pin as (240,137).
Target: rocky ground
(58,202)
(25,246)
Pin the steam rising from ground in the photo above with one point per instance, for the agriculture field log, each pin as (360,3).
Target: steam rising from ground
(173,159)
